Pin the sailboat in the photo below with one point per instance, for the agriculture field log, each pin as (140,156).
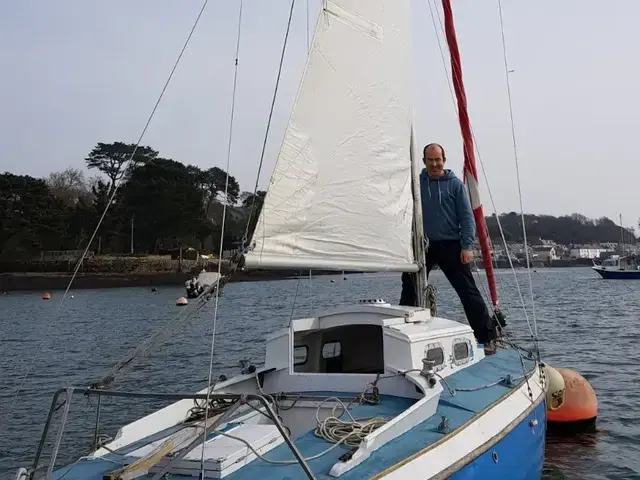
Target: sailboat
(368,390)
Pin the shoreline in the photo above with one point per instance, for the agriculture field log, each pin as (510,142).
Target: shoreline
(38,281)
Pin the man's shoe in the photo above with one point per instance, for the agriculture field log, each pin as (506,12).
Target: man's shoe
(490,348)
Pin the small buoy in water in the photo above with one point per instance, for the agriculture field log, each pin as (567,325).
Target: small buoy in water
(181,302)
(573,407)
(154,289)
(46,296)
(72,296)
(332,281)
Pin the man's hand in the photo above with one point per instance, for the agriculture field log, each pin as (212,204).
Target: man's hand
(466,256)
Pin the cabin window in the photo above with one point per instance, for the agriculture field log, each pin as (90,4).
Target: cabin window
(331,350)
(436,354)
(300,353)
(462,351)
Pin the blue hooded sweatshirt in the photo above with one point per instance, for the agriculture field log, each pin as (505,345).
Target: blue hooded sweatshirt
(446,209)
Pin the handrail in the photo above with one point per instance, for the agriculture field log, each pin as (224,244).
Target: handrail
(70,391)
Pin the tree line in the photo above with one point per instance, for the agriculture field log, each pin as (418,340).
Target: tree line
(164,204)
(574,229)
(160,203)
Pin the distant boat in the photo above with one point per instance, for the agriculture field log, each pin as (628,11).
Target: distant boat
(618,268)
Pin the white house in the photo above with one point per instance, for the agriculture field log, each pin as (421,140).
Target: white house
(587,252)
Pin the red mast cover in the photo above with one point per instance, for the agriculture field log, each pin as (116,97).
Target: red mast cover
(470,170)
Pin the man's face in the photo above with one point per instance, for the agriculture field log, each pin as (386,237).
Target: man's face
(434,161)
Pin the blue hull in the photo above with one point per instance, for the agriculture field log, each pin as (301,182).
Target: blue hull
(517,456)
(619,274)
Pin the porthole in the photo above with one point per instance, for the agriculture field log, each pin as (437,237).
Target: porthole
(436,355)
(462,351)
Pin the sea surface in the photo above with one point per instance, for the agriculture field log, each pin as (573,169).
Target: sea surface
(583,322)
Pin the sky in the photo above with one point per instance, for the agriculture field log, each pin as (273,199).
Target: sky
(78,72)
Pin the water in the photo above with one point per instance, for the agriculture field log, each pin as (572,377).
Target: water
(584,323)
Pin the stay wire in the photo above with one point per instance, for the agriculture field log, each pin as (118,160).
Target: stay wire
(224,217)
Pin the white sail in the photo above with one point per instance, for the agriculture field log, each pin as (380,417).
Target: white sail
(340,195)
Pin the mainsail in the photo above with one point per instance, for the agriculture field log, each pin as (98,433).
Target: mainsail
(470,169)
(340,194)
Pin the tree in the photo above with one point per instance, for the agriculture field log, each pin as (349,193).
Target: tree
(111,159)
(566,230)
(252,205)
(69,186)
(247,199)
(30,217)
(166,202)
(112,230)
(212,182)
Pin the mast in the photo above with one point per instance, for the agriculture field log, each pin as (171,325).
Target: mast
(470,169)
(621,237)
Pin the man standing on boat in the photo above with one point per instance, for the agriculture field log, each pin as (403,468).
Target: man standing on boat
(449,225)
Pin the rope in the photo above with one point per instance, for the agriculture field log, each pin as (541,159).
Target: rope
(506,380)
(116,185)
(266,134)
(350,433)
(224,217)
(431,299)
(202,409)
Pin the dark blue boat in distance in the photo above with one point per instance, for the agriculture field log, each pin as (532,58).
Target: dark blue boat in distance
(618,268)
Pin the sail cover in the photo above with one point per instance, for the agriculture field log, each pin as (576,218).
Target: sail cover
(340,194)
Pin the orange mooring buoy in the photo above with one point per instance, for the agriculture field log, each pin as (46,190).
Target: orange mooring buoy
(46,296)
(181,302)
(576,409)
